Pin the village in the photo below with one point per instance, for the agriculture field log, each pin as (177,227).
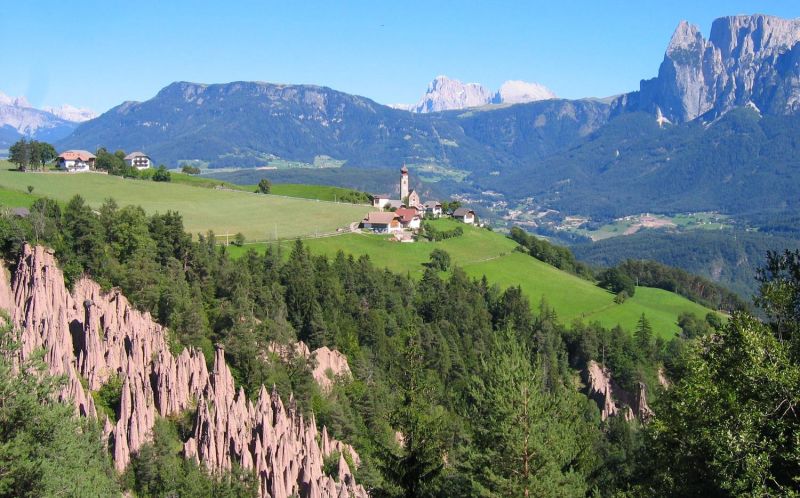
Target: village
(403,217)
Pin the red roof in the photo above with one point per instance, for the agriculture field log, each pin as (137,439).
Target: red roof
(406,214)
(380,218)
(73,155)
(404,170)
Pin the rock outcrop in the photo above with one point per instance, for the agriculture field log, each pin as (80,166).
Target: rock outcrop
(327,364)
(90,336)
(747,60)
(612,399)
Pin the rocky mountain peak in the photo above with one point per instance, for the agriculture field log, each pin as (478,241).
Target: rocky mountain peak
(519,92)
(746,59)
(445,93)
(686,36)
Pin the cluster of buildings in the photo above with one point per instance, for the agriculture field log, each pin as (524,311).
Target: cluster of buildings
(80,161)
(406,213)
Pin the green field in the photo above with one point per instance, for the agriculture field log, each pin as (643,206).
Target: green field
(321,192)
(258,217)
(481,252)
(15,198)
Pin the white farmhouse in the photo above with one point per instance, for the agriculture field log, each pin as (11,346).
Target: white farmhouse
(138,160)
(76,161)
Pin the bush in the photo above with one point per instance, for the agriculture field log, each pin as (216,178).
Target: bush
(190,170)
(440,260)
(264,186)
(162,175)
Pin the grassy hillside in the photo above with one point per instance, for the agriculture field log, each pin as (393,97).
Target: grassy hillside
(258,217)
(481,252)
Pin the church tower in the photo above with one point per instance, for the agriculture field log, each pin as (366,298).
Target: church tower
(403,183)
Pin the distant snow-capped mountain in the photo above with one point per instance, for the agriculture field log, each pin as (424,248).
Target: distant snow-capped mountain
(18,118)
(445,94)
(71,113)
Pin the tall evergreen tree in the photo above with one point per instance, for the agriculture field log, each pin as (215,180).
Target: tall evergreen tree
(529,440)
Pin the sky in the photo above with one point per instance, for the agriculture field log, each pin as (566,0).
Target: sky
(98,54)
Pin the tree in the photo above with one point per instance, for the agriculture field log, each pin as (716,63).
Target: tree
(264,186)
(730,426)
(530,438)
(20,154)
(439,260)
(238,239)
(644,336)
(617,281)
(415,466)
(44,449)
(162,175)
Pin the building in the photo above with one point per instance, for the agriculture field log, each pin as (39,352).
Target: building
(381,201)
(413,199)
(76,161)
(138,160)
(409,217)
(382,222)
(465,215)
(433,209)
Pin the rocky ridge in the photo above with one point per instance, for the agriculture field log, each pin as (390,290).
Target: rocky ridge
(747,60)
(89,336)
(612,400)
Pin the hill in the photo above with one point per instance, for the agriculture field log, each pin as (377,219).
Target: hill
(481,252)
(730,259)
(258,217)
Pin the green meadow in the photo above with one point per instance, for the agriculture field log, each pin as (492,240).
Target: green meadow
(258,217)
(481,252)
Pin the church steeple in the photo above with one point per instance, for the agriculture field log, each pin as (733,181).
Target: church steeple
(403,183)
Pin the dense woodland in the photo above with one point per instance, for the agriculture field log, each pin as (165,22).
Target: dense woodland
(483,388)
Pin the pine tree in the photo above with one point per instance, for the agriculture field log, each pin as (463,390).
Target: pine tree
(415,466)
(528,440)
(644,337)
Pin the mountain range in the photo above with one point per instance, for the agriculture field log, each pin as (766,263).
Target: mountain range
(717,129)
(18,118)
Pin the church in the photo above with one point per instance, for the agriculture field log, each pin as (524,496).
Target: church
(409,199)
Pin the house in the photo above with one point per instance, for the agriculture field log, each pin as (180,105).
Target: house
(383,222)
(464,214)
(76,161)
(433,208)
(409,217)
(413,199)
(138,160)
(380,201)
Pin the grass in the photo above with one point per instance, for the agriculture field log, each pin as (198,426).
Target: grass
(15,198)
(481,252)
(256,216)
(321,192)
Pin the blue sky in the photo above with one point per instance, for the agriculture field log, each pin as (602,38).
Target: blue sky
(100,53)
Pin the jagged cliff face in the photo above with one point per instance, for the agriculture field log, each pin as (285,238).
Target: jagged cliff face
(747,60)
(89,336)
